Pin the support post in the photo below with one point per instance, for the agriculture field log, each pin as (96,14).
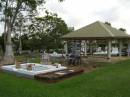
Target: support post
(85,48)
(109,49)
(91,48)
(120,48)
(128,48)
(66,48)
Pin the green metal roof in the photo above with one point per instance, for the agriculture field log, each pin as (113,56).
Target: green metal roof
(97,30)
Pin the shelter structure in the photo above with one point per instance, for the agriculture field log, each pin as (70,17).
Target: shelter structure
(100,34)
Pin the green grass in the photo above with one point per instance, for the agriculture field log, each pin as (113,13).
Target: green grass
(26,58)
(112,80)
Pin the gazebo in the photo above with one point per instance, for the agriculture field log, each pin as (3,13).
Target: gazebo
(98,31)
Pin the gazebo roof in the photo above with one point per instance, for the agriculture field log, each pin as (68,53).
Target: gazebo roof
(96,30)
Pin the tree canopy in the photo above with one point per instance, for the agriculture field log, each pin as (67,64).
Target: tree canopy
(10,10)
(45,33)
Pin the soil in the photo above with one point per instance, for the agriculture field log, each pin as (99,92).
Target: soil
(86,68)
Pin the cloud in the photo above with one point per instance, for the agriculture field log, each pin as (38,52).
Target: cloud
(108,14)
(79,13)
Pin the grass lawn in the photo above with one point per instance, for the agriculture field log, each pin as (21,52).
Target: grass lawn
(35,58)
(112,80)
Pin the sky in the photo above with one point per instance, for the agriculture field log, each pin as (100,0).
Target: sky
(79,13)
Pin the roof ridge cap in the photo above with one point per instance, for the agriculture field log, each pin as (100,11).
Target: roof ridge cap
(106,29)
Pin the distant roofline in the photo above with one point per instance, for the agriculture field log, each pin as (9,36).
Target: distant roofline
(111,32)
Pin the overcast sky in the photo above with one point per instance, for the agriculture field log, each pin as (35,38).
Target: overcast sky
(78,13)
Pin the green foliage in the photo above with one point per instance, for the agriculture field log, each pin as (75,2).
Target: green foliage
(108,23)
(33,3)
(122,29)
(11,9)
(46,32)
(0,6)
(109,81)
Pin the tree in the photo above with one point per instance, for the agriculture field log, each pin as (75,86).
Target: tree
(48,30)
(107,23)
(11,8)
(1,45)
(122,29)
(19,27)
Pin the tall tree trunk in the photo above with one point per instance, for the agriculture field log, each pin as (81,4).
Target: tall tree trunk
(5,26)
(5,34)
(20,43)
(9,55)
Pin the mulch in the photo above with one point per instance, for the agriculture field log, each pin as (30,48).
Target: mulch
(58,75)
